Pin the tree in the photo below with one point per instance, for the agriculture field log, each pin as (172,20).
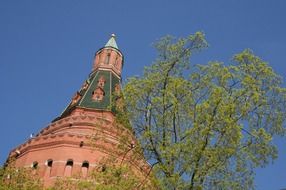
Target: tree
(205,126)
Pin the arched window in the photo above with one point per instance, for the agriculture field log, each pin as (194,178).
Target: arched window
(84,169)
(98,94)
(68,168)
(117,63)
(35,165)
(49,164)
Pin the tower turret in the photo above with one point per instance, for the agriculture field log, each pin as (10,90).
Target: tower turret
(104,80)
(109,58)
(67,146)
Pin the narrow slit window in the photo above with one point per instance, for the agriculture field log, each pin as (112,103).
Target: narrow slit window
(107,58)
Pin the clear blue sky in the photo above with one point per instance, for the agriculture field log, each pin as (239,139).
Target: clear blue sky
(46,50)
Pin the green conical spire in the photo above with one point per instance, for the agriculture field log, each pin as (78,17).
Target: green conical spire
(111,42)
(97,91)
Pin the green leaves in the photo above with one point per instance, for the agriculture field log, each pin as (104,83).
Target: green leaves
(208,126)
(12,178)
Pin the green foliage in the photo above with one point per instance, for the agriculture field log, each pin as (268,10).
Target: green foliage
(12,178)
(208,126)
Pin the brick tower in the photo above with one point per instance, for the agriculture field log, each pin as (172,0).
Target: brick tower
(85,133)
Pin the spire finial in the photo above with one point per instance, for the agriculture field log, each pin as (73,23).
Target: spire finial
(111,42)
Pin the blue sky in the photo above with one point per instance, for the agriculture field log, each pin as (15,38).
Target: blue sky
(47,47)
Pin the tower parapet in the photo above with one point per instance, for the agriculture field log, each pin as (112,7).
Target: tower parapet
(109,58)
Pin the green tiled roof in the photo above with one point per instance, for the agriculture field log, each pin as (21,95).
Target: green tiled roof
(86,100)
